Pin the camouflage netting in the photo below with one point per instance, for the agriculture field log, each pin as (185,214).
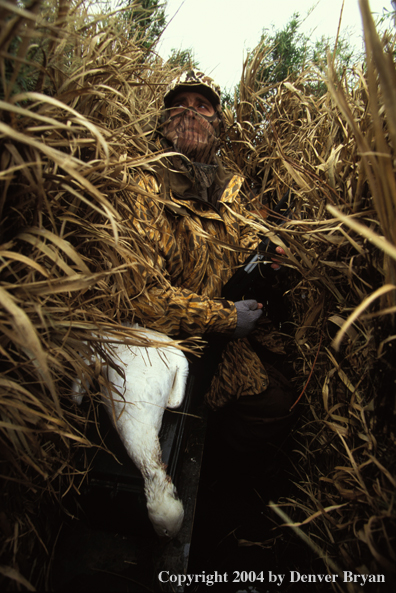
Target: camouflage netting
(79,97)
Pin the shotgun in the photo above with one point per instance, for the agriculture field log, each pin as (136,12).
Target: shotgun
(248,279)
(254,280)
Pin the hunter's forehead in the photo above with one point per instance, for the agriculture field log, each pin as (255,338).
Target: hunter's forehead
(190,95)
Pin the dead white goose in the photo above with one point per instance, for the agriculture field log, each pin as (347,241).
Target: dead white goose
(155,379)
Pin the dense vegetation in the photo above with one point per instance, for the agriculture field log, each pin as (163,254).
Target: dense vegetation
(80,94)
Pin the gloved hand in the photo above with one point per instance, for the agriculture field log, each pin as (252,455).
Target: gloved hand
(249,312)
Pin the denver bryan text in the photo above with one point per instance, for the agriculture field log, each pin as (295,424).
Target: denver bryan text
(348,577)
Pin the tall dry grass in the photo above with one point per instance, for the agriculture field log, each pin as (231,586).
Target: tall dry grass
(79,99)
(336,154)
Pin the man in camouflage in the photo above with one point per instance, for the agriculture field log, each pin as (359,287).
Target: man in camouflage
(196,237)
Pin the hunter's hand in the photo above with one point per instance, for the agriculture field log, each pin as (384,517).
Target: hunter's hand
(249,312)
(276,265)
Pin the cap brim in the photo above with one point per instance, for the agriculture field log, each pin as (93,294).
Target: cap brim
(195,88)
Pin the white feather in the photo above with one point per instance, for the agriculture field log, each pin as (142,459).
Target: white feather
(155,378)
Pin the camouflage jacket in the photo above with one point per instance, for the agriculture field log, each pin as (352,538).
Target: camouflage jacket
(196,247)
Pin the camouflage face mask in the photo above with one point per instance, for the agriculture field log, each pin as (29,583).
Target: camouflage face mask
(193,135)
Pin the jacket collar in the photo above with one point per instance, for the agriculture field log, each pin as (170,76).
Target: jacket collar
(197,205)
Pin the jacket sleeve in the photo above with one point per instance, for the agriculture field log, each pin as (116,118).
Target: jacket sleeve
(176,311)
(157,302)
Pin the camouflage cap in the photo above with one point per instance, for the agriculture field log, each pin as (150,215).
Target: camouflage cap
(203,84)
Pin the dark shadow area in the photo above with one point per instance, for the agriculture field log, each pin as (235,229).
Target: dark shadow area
(233,532)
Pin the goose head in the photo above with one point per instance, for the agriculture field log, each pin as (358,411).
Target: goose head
(166,513)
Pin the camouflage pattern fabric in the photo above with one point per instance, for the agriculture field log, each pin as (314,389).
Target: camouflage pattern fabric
(191,80)
(199,82)
(196,247)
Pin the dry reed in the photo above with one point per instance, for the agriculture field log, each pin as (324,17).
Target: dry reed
(79,100)
(335,153)
(78,97)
